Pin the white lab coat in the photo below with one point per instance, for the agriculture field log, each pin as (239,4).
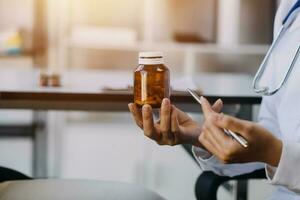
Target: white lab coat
(279,113)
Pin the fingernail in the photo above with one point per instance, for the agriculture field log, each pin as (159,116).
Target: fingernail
(146,108)
(219,100)
(201,98)
(166,101)
(129,106)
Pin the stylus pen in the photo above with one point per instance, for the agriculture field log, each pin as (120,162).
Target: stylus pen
(237,137)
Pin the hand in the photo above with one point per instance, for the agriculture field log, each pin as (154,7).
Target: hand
(262,145)
(175,126)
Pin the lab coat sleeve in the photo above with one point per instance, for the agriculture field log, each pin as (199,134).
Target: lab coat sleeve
(209,162)
(287,173)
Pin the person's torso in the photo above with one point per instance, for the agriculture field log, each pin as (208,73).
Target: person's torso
(287,100)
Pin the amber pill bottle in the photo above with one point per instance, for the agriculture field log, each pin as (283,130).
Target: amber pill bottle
(151,80)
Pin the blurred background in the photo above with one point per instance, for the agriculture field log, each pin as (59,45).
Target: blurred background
(196,36)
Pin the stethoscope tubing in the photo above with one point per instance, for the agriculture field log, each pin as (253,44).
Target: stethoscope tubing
(262,68)
(264,90)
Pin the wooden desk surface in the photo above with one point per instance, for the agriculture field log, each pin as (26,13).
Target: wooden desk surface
(83,90)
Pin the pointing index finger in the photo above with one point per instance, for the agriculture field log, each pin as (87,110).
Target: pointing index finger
(206,107)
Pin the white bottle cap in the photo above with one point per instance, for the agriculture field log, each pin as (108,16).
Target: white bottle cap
(151,58)
(151,54)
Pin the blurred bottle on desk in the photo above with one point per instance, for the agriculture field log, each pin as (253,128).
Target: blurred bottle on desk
(49,79)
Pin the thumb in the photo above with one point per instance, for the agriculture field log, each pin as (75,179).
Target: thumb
(218,105)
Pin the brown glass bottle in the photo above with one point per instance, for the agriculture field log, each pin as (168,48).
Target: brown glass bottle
(151,80)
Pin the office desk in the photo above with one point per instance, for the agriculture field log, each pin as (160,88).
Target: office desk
(84,90)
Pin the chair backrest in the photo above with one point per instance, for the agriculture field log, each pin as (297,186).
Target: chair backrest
(208,183)
(7,174)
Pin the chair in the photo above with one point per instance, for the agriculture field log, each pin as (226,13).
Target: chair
(68,189)
(7,174)
(207,184)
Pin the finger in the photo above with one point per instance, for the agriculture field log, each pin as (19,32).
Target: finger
(228,146)
(220,152)
(216,136)
(174,123)
(219,148)
(165,121)
(220,136)
(206,107)
(148,123)
(234,124)
(207,142)
(137,114)
(218,105)
(215,144)
(174,120)
(182,117)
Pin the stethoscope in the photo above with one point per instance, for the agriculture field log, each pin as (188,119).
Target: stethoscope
(287,22)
